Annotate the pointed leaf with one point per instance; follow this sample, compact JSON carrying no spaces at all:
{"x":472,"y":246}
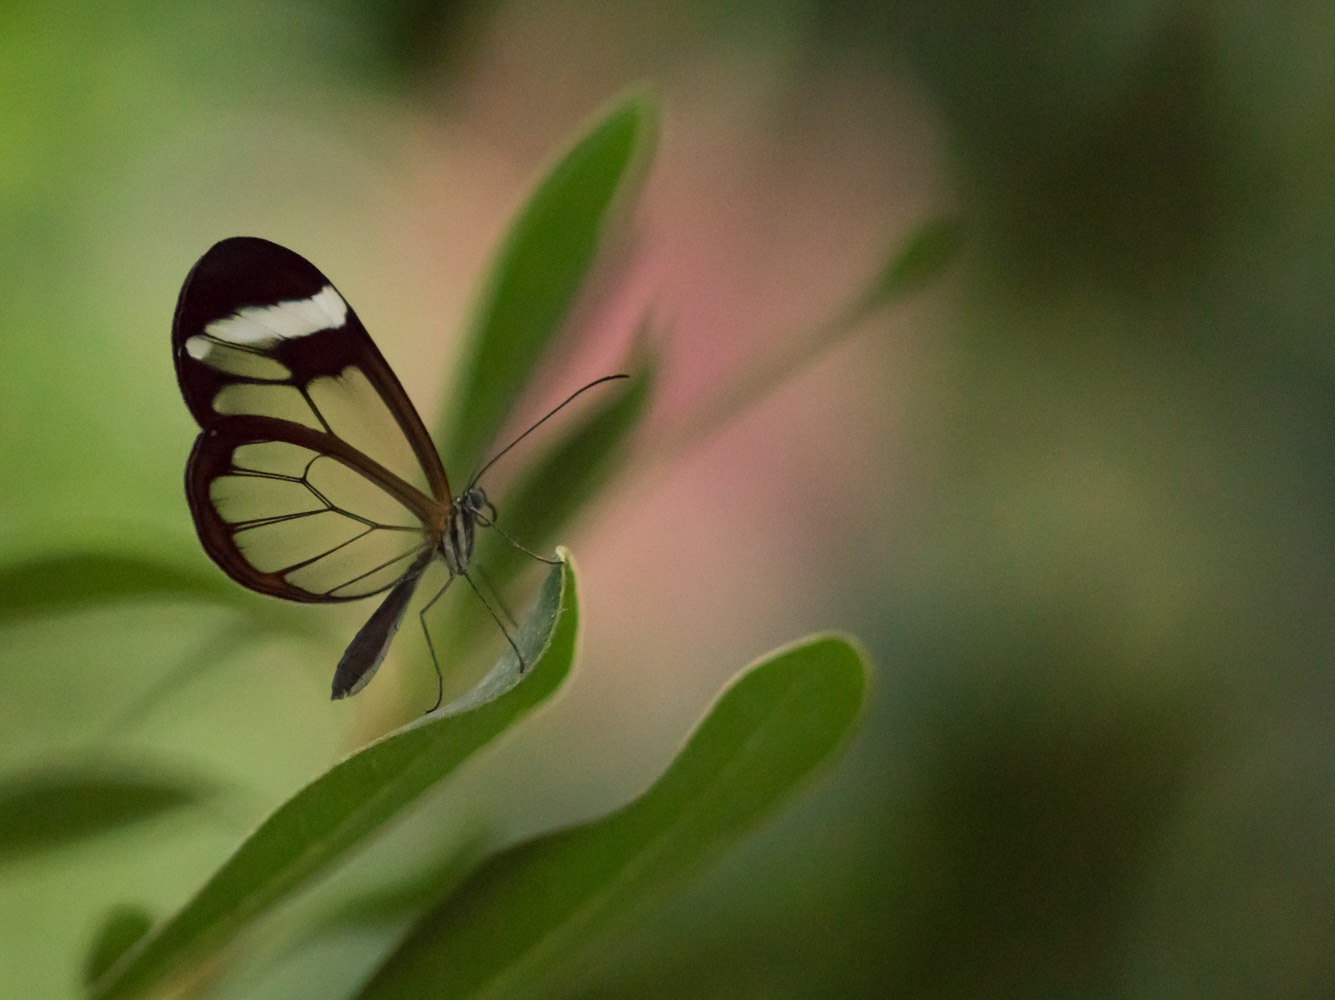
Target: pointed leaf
{"x":120,"y":929}
{"x":347,"y":804}
{"x":530,"y":909}
{"x":917,"y":261}
{"x":538,"y":273}
{"x":67,"y":581}
{"x":44,"y":811}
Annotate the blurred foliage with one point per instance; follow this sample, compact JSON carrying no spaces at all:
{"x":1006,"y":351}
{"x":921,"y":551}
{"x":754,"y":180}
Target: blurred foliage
{"x":753,"y":746}
{"x":346,"y":805}
{"x":539,"y":271}
{"x":1097,"y":760}
{"x":122,"y":927}
{"x":917,"y":263}
{"x":46,"y":811}
{"x":1124,"y":571}
{"x":524,"y":918}
{"x":59,"y":582}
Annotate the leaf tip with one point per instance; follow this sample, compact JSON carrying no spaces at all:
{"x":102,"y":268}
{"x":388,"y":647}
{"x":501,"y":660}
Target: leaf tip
{"x":121,"y":929}
{"x":642,"y":103}
{"x":919,"y":259}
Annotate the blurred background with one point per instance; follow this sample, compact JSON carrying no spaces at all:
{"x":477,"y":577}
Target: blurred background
{"x":1078,"y":500}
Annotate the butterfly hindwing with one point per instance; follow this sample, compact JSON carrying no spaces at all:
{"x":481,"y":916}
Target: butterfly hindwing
{"x":313,"y":477}
{"x":292,"y":512}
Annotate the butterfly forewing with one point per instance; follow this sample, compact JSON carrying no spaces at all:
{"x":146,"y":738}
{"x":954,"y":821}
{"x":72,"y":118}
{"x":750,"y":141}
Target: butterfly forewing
{"x":259,"y":330}
{"x":313,"y":477}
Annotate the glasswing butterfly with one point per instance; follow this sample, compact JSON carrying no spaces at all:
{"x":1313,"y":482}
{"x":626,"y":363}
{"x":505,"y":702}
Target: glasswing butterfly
{"x":313,"y":478}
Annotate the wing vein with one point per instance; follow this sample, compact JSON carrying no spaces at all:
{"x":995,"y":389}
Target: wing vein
{"x":376,"y":569}
{"x":328,"y":552}
{"x":260,"y":292}
{"x":260,"y":522}
{"x":316,"y":410}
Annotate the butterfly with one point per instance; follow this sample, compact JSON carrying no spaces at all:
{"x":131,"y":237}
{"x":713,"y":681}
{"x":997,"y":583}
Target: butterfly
{"x":313,"y":478}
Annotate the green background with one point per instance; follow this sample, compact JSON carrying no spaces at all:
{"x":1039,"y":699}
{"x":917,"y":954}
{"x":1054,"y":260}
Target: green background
{"x":1077,"y":503}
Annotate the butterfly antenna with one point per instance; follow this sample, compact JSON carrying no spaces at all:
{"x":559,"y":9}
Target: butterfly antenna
{"x":556,"y":409}
{"x":494,"y":617}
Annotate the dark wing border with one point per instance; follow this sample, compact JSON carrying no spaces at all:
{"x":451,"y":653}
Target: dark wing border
{"x":211,"y":458}
{"x":248,"y":271}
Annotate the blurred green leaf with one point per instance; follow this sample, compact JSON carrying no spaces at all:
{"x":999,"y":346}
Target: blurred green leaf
{"x":347,"y":804}
{"x":532,"y":907}
{"x":422,"y":886}
{"x":219,"y":649}
{"x":120,"y":929}
{"x":46,"y":811}
{"x":554,"y":488}
{"x":917,"y":261}
{"x":60,"y":582}
{"x":538,"y":272}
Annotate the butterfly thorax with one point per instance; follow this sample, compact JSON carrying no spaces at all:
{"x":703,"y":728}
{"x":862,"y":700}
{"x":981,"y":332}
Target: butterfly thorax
{"x":456,"y":542}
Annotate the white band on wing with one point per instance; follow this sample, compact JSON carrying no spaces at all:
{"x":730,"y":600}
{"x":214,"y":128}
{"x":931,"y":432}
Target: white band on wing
{"x":264,"y":326}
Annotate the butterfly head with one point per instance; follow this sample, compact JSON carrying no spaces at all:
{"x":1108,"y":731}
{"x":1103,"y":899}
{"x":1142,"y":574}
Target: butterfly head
{"x":474,"y":501}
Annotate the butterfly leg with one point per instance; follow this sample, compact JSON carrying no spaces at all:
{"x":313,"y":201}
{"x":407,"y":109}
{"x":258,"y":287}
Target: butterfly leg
{"x":485,"y":579}
{"x":494,"y":617}
{"x":421,"y":616}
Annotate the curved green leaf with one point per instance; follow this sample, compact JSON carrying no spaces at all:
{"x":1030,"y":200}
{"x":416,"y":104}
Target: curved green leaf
{"x":60,"y":582}
{"x":347,"y":804}
{"x":528,"y":910}
{"x":539,"y":271}
{"x":120,"y":929}
{"x":418,"y":888}
{"x":44,"y":811}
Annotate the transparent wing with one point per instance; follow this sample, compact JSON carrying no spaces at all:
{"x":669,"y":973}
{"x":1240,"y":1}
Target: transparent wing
{"x":260,"y":331}
{"x":313,"y":477}
{"x":297,"y":513}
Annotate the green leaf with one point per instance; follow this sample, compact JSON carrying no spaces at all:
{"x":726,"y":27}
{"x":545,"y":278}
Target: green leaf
{"x":917,"y":261}
{"x":538,"y":273}
{"x":45,"y":811}
{"x":530,"y":909}
{"x":347,"y":804}
{"x":218,"y":650}
{"x":422,"y":886}
{"x":553,"y":489}
{"x":120,"y":929}
{"x":61,"y":582}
